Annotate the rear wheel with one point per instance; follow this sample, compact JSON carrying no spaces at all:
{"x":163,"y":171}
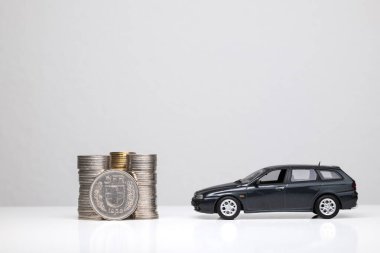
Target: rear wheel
{"x":228,"y":208}
{"x":327,"y":206}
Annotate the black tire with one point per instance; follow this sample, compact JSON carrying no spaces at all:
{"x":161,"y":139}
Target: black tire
{"x":233,"y":206}
{"x":327,"y":206}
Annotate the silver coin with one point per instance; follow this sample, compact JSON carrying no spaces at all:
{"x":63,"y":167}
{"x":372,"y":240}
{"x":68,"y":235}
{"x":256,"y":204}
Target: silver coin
{"x":92,"y":157}
{"x":114,"y":195}
{"x":89,"y":217}
{"x":143,"y":156}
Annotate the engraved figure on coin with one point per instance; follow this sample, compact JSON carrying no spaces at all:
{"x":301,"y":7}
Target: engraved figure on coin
{"x":114,"y":191}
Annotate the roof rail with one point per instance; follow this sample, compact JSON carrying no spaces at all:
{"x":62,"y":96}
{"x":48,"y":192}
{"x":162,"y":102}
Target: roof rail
{"x":319,"y":164}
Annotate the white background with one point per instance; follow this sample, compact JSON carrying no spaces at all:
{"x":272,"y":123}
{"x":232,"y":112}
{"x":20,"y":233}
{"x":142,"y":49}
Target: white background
{"x":216,"y":88}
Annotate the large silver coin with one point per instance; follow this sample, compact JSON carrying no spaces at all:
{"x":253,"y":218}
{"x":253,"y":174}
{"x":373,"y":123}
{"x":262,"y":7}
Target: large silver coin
{"x":114,"y":195}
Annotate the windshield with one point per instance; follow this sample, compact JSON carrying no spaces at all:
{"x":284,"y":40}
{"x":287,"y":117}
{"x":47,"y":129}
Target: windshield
{"x":252,"y":176}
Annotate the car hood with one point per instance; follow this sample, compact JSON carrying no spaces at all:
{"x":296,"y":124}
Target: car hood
{"x":219,"y":187}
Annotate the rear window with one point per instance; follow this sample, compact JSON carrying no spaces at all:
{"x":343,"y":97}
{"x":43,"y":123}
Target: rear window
{"x":329,"y":175}
{"x":299,"y":175}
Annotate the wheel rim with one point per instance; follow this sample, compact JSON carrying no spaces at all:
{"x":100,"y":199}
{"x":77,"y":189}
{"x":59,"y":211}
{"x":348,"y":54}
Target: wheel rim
{"x":228,"y":207}
{"x":327,"y":206}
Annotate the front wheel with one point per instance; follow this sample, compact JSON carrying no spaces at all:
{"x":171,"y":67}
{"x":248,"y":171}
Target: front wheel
{"x":327,"y":206}
{"x":228,"y":208}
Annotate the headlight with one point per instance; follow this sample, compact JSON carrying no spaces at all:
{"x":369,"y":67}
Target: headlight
{"x":199,"y":196}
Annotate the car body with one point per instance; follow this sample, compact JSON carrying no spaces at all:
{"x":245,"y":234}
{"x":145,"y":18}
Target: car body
{"x":283,"y":188}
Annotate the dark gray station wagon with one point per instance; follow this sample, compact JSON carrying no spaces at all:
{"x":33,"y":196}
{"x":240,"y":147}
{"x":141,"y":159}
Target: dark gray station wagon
{"x":289,"y":188}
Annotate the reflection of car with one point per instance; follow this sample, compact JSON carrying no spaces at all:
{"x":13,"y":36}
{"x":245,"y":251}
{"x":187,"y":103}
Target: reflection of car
{"x":290,"y":188}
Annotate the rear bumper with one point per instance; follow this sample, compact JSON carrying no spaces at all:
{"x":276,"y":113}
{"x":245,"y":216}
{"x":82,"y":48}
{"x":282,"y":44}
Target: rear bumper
{"x":348,"y":199}
{"x":206,"y":205}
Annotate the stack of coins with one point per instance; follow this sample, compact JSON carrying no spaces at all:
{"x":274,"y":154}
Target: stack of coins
{"x":143,"y":168}
{"x":119,"y":160}
{"x":89,"y":167}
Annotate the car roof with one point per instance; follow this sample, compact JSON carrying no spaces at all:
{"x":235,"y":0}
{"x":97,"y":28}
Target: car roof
{"x":302,"y":166}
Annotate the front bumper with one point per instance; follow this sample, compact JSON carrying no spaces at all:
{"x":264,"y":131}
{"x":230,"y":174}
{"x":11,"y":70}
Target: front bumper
{"x":206,"y":205}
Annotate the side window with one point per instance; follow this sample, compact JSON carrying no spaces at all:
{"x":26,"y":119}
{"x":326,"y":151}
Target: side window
{"x":299,"y":175}
{"x":329,"y":175}
{"x":273,"y":177}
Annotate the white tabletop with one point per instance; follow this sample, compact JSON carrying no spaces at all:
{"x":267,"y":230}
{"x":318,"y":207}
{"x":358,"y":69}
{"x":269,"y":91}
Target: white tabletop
{"x":180,"y":229}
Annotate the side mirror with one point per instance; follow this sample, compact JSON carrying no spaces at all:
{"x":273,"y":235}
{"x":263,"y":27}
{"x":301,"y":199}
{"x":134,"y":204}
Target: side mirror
{"x":255,"y":183}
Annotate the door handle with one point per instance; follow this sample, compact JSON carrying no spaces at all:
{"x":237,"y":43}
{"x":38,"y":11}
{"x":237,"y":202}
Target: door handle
{"x":280,"y":188}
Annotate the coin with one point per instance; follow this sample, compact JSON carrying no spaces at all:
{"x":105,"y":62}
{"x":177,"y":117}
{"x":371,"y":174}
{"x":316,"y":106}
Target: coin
{"x":119,"y":160}
{"x":114,"y":195}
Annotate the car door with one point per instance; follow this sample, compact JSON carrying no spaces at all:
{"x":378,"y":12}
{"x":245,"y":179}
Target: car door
{"x":267,"y":193}
{"x":303,"y":185}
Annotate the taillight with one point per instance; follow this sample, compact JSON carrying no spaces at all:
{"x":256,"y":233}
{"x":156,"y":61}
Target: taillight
{"x":354,"y":185}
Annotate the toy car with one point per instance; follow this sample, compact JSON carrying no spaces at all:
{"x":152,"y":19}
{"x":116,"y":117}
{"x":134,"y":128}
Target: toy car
{"x":284,"y":188}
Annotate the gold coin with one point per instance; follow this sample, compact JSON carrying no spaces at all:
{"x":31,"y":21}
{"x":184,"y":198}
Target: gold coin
{"x":119,"y":160}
